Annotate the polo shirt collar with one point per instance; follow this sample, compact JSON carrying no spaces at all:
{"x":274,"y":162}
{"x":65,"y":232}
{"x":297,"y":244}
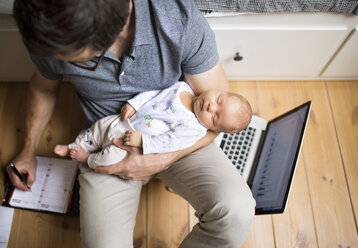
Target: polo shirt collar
{"x":143,"y":28}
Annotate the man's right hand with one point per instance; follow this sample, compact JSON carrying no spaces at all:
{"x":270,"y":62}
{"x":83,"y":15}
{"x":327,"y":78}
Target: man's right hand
{"x":26,"y":165}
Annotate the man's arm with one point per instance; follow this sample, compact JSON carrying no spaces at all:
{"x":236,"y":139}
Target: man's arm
{"x":137,"y":166}
{"x":42,"y":94}
{"x":215,"y":78}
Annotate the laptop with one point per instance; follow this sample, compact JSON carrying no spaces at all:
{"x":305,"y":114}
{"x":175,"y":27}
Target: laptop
{"x":266,"y":154}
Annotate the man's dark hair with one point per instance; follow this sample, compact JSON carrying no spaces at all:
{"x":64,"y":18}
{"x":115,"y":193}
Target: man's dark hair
{"x":50,"y":27}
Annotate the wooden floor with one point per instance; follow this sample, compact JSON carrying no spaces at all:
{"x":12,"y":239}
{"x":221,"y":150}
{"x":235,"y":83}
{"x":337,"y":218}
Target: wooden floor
{"x":323,"y":206}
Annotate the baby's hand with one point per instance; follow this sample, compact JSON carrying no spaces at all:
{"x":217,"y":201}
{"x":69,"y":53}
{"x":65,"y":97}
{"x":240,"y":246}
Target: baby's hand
{"x":127,"y":111}
{"x":133,"y":138}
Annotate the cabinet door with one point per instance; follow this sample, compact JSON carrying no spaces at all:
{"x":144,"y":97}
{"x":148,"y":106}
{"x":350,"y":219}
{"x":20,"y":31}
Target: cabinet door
{"x":345,"y":64}
{"x":277,"y":53}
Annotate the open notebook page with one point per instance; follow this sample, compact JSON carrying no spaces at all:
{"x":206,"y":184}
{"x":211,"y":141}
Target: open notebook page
{"x":53,"y":186}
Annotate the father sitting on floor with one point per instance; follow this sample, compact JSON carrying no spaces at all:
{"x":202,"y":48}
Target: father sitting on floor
{"x":111,"y":50}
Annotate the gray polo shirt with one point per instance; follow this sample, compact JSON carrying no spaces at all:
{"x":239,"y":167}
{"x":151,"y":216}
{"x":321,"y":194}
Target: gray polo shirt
{"x":171,"y":38}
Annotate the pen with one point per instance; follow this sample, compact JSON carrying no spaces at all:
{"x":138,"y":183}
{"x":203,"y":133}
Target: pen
{"x":20,"y":176}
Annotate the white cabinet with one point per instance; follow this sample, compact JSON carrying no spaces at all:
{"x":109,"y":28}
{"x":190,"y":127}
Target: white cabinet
{"x":276,"y":52}
{"x":345,"y":63}
{"x":290,"y":46}
{"x":275,"y":46}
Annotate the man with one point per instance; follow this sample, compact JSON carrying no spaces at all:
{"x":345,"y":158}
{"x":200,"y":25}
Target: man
{"x":111,"y":50}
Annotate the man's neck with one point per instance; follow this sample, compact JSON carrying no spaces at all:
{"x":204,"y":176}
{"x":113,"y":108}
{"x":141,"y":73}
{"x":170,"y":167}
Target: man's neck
{"x":125,"y":37}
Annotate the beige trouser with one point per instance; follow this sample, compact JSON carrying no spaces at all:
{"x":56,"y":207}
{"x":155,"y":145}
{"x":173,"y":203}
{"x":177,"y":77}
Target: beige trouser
{"x":205,"y":178}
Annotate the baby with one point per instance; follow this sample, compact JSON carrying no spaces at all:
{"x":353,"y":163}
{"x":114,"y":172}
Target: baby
{"x":159,"y":121}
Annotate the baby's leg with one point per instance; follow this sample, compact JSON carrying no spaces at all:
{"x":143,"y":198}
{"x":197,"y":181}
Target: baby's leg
{"x":86,"y":140}
{"x":62,"y":150}
{"x":109,"y":155}
{"x":79,"y":154}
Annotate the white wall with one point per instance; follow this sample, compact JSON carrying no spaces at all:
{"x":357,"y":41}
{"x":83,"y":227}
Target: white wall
{"x":6,"y":6}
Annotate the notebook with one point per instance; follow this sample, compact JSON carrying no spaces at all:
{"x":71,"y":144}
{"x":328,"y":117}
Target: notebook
{"x":266,"y":154}
{"x":52,"y":190}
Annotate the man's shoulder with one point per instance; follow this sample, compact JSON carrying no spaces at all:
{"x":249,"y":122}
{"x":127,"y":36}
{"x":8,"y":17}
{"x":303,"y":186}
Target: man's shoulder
{"x":177,"y":9}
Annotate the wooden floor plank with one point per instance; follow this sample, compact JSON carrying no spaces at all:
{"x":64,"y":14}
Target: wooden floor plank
{"x":344,"y":102}
{"x":319,"y":212}
{"x":8,"y":140}
{"x":12,"y":124}
{"x":47,"y":230}
{"x":65,"y":124}
{"x":15,"y":229}
{"x":295,"y":227}
{"x":140,"y":230}
{"x":3,"y":93}
{"x":332,"y":210}
{"x":261,"y":234}
{"x":12,"y":113}
{"x":249,"y":91}
{"x":167,"y":217}
{"x":38,"y":229}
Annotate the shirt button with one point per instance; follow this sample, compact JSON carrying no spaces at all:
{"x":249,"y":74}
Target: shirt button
{"x":122,"y":73}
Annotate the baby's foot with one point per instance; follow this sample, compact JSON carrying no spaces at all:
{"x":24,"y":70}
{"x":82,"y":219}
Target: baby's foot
{"x":79,"y":155}
{"x":61,"y":150}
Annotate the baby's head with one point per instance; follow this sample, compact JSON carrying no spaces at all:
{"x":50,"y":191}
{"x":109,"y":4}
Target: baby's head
{"x":222,"y":111}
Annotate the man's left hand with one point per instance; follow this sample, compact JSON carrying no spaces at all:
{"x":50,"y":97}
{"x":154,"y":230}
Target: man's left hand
{"x":135,"y":165}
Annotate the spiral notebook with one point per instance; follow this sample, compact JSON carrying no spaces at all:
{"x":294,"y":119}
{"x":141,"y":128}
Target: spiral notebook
{"x":53,"y":189}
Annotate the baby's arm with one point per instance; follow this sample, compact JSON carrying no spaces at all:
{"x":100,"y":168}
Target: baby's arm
{"x":127,"y":111}
{"x":141,"y":98}
{"x":131,"y":107}
{"x":133,"y":138}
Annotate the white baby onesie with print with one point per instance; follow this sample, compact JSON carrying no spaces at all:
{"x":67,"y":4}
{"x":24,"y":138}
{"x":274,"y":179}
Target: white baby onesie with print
{"x":165,"y":123}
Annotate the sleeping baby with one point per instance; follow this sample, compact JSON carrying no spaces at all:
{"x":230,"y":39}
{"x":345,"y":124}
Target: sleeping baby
{"x":159,"y":121}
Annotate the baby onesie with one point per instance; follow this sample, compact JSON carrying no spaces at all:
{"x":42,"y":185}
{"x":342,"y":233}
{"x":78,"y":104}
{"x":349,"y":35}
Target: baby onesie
{"x":165,"y":123}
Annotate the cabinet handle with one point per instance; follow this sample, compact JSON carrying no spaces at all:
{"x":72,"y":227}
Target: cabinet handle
{"x":238,"y":57}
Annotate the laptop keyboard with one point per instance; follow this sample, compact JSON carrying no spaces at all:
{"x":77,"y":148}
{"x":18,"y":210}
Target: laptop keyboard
{"x":237,"y":146}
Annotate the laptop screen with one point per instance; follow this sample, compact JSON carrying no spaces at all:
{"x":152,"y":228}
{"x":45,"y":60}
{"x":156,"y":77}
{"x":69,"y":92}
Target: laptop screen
{"x":277,"y":160}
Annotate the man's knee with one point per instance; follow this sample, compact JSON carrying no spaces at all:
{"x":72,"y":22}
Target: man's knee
{"x":232,"y":216}
{"x":239,"y":220}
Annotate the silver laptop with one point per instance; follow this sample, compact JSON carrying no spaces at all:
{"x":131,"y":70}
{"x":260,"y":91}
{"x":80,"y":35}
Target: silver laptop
{"x":266,"y":154}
